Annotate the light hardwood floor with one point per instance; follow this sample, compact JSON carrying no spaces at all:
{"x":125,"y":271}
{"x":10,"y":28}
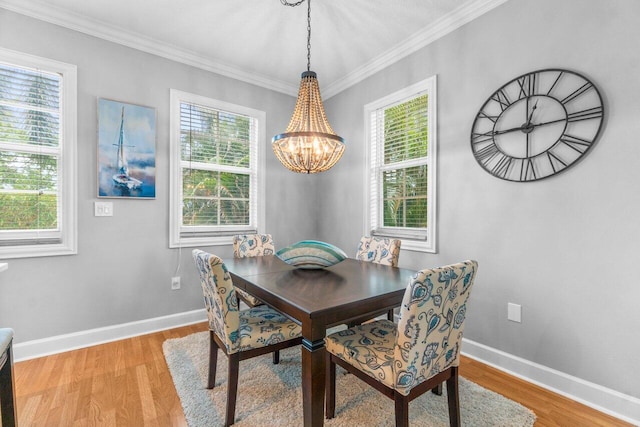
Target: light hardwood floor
{"x":127,"y":383}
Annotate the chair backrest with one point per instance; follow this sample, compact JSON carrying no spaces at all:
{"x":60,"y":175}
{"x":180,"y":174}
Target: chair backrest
{"x":380,"y":250}
{"x":431,"y":323}
{"x":220,"y":298}
{"x":247,"y":245}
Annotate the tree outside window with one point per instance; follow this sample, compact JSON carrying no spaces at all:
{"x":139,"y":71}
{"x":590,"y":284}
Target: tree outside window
{"x":37,"y":153}
{"x":401,"y":174}
{"x":215,"y":182}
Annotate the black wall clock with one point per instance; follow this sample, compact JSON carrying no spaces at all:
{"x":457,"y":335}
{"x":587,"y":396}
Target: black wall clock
{"x":537,"y":125}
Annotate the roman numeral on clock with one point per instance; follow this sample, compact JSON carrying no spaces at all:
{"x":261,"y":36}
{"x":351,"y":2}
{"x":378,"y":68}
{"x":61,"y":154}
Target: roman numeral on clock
{"x":588,"y":114}
{"x":502,"y":99}
{"x":484,"y":115}
{"x":527,"y":171}
{"x":578,"y":144}
{"x":487,"y":153}
{"x":576,"y":93}
{"x":501,"y":168}
{"x":527,"y":84}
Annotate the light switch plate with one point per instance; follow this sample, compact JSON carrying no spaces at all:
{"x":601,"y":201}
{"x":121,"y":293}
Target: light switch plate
{"x":514,"y":312}
{"x":103,"y":209}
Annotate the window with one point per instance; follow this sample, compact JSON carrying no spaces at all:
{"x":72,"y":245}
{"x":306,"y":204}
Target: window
{"x":401,"y":173}
{"x":37,"y":156}
{"x":216,"y":170}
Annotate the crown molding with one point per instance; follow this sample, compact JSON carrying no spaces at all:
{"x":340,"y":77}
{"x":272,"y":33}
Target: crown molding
{"x":92,"y":27}
{"x":77,"y":22}
{"x":440,"y":28}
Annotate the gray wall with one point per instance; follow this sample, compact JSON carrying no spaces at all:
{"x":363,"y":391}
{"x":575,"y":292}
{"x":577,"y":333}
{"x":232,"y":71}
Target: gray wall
{"x":123,"y":267}
{"x":565,"y":247}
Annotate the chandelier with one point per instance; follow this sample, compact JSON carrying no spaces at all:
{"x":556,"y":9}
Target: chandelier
{"x":309,"y":144}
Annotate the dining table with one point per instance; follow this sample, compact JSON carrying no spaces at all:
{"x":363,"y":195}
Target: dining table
{"x":348,"y":292}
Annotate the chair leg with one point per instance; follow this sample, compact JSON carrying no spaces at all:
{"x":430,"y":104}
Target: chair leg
{"x":232,"y":387}
{"x":330,"y":388}
{"x":390,"y":315}
{"x":402,"y":410}
{"x":437,"y":390}
{"x":453,"y":399}
{"x":276,"y":357}
{"x":213,"y":360}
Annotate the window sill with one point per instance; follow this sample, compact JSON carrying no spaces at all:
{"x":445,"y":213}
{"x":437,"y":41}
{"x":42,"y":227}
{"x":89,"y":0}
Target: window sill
{"x":33,"y":251}
{"x":193,"y":242}
{"x":417,"y":246}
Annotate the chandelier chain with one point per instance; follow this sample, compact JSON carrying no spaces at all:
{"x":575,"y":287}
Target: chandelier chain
{"x":308,"y":35}
{"x":298,"y":3}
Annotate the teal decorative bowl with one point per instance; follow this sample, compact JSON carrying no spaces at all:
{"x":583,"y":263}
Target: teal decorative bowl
{"x":311,"y":254}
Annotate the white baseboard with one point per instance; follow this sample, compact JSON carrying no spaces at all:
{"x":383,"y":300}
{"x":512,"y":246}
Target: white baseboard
{"x":601,"y":398}
{"x":60,"y":343}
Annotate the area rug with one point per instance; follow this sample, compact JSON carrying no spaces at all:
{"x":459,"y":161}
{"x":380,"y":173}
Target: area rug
{"x":270,"y":395}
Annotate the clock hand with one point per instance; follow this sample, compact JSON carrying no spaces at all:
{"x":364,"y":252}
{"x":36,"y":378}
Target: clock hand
{"x":500,"y":132}
{"x":531,"y":115}
{"x":549,"y":122}
{"x":525,"y":127}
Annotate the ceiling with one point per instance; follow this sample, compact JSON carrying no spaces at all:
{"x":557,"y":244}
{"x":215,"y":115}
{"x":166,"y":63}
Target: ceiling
{"x":264,"y":41}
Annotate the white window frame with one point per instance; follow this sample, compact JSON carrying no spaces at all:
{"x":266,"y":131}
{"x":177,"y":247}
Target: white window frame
{"x":411,"y":240}
{"x":218,"y":235}
{"x":66,"y":236}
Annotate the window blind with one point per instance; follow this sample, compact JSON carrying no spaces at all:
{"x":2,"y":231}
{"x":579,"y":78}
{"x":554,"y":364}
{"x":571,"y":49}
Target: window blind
{"x":405,"y":130}
{"x":399,"y":169}
{"x":30,"y":155}
{"x":218,"y":163}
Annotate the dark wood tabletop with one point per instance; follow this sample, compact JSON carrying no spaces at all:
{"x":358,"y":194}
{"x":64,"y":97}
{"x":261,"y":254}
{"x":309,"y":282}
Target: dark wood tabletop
{"x":317,"y":299}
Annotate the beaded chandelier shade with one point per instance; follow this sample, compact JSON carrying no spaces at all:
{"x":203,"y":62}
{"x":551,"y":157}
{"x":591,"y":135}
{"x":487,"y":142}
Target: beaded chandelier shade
{"x":309,"y":144}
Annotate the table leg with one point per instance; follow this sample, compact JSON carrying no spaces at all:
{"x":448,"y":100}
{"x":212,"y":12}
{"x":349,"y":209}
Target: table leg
{"x":313,"y":378}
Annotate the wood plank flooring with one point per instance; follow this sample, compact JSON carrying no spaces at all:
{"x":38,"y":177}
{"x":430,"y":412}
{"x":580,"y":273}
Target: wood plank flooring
{"x":127,"y":383}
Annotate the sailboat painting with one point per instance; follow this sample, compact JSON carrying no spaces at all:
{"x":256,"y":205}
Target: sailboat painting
{"x":126,"y":150}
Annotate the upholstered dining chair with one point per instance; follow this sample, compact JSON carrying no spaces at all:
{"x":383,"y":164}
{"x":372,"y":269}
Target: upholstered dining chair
{"x":380,"y":250}
{"x":247,"y":245}
{"x":405,"y":360}
{"x":239,"y":334}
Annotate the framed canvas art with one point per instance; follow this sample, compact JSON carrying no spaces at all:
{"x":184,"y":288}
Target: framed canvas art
{"x":126,"y":150}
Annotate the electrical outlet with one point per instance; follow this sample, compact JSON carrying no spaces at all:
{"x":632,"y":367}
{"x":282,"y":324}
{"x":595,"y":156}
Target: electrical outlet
{"x":514,"y":312}
{"x":175,"y":283}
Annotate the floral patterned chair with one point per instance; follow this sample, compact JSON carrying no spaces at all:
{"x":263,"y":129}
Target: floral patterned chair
{"x":246,"y":245}
{"x":380,"y":250}
{"x":418,"y":354}
{"x":239,"y":334}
